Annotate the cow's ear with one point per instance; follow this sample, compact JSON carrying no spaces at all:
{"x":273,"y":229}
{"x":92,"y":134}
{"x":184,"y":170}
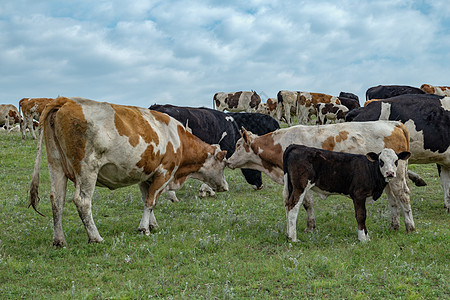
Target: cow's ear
{"x":221,"y":155}
{"x":372,"y":156}
{"x":245,"y":135}
{"x":404,"y":155}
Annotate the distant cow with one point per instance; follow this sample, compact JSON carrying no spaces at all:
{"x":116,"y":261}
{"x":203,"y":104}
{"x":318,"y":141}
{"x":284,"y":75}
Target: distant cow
{"x":330,"y":113}
{"x":437,"y":90}
{"x":236,"y":102}
{"x":427,"y":118}
{"x":356,"y":176}
{"x":265,"y":153}
{"x":300,"y":104}
{"x":9,"y":115}
{"x":307,"y":102}
{"x":216,"y":127}
{"x":31,"y":109}
{"x":388,"y":91}
{"x":98,"y":143}
{"x":350,"y":100}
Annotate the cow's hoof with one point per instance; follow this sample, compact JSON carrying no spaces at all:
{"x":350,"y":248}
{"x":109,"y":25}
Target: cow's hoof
{"x":410,"y":228}
{"x":59,"y":243}
{"x":96,"y":241}
{"x":394,"y":227}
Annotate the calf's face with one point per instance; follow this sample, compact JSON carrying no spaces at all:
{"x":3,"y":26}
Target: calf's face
{"x":388,"y":161}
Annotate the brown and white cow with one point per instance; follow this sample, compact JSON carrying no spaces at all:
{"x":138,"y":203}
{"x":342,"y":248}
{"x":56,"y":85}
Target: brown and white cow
{"x":236,"y":102}
{"x":265,"y":153}
{"x":9,"y":115}
{"x":437,"y":90}
{"x":98,"y":143}
{"x":359,"y":177}
{"x":330,"y":113}
{"x":31,"y":109}
{"x":301,"y":104}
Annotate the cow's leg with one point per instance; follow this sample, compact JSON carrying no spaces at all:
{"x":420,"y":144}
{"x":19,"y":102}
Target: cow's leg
{"x":57,"y":197}
{"x":82,"y":197}
{"x":22,"y":127}
{"x":30,"y":125}
{"x":292,"y":202}
{"x":398,"y":194}
{"x":150,"y":193}
{"x":445,"y":183}
{"x":308,"y":204}
{"x":360,"y":214}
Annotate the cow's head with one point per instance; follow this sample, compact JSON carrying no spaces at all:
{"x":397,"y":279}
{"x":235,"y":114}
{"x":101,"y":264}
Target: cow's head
{"x":212,"y":170}
{"x":388,"y":161}
{"x":243,"y":155}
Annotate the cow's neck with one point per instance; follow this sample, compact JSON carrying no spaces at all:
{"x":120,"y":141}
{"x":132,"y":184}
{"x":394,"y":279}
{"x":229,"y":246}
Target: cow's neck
{"x":194,"y":154}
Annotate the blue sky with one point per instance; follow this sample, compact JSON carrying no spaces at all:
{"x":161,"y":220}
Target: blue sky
{"x":182,"y":52}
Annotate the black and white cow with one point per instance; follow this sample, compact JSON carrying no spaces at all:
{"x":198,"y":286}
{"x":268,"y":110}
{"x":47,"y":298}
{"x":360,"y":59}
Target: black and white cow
{"x":357,"y":176}
{"x":388,"y":91}
{"x":236,"y":102}
{"x":216,"y":127}
{"x":427,"y":118}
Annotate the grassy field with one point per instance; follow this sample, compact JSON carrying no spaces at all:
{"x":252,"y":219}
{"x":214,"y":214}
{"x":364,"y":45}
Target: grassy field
{"x":229,"y":246}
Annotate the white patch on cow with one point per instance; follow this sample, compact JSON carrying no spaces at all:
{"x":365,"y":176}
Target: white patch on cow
{"x":187,"y":126}
{"x":229,"y":118}
{"x":224,"y":134}
{"x":362,"y":236}
{"x":385,"y":111}
{"x":445,"y":102}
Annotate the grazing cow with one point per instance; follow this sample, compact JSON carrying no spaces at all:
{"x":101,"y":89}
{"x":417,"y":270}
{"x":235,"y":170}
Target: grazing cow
{"x":427,"y":118}
{"x":330,"y":112}
{"x":9,"y":115}
{"x":351,"y":101}
{"x":98,"y":143}
{"x":31,"y":109}
{"x":357,"y":176}
{"x":436,"y":90}
{"x":216,"y":127}
{"x":388,"y":91}
{"x":265,"y":153}
{"x":236,"y":102}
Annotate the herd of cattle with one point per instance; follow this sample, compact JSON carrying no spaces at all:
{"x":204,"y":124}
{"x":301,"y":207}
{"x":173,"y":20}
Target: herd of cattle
{"x":97,"y":143}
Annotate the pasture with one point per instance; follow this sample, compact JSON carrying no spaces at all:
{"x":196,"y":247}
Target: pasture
{"x":229,"y":246}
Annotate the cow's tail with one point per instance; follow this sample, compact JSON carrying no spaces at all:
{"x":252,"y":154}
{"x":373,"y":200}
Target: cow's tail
{"x":20,"y":117}
{"x":33,"y":198}
{"x":34,"y":186}
{"x":214,"y":101}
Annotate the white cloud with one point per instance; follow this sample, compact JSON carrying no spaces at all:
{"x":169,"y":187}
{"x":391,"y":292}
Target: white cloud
{"x":182,"y":52}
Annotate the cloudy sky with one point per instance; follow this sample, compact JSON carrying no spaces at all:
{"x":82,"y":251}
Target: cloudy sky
{"x":182,"y":52}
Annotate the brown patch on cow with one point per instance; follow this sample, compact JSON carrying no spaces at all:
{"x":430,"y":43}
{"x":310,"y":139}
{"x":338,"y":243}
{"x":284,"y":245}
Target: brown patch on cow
{"x":255,"y":100}
{"x":342,"y":136}
{"x":194,"y":153}
{"x":398,"y":140}
{"x":271,"y":104}
{"x":69,"y":132}
{"x":232,"y":100}
{"x":130,"y":122}
{"x":164,"y":118}
{"x":150,"y":160}
{"x":427,"y":88}
{"x":272,"y":155}
{"x":329,"y":143}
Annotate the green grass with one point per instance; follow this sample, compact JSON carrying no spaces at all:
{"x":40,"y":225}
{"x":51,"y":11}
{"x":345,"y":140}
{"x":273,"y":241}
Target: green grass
{"x":229,"y":246}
